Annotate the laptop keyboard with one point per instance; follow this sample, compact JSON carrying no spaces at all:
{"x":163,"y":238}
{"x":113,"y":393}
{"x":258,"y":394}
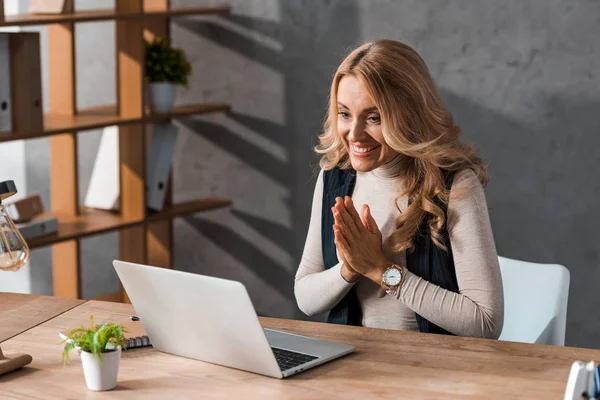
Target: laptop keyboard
{"x":289,"y":359}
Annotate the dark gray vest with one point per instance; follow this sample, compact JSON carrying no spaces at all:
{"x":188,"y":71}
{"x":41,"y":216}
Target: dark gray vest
{"x":425,"y":259}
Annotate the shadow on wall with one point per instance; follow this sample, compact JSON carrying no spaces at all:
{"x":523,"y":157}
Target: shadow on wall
{"x":542,"y":200}
{"x":270,"y":272}
{"x":251,"y":155}
{"x":311,"y":51}
{"x":543,"y":193}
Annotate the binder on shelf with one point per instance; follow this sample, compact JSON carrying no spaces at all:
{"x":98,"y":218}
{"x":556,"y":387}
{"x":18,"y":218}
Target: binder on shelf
{"x":5,"y":109}
{"x":25,"y":73}
{"x":103,"y":191}
{"x":158,"y":167}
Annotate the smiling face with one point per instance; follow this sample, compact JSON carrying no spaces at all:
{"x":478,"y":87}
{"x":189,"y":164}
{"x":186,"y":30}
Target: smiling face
{"x":359,"y":126}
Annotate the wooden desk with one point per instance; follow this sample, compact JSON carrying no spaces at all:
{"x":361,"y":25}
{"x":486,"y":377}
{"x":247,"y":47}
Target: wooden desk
{"x":20,"y":312}
{"x":387,"y":364}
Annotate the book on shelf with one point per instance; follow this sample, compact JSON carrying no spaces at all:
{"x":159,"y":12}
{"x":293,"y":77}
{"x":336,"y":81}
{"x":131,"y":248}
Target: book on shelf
{"x":25,"y":209}
{"x":103,"y":190}
{"x":38,"y":226}
{"x":134,"y":337}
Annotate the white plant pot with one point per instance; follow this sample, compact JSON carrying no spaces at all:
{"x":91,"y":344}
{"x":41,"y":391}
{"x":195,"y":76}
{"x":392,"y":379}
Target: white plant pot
{"x":101,"y":376}
{"x":161,"y":96}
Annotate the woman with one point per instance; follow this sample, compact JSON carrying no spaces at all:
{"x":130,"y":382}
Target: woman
{"x":399,"y":236}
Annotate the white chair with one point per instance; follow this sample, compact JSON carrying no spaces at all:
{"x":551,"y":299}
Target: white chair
{"x":535,"y":302}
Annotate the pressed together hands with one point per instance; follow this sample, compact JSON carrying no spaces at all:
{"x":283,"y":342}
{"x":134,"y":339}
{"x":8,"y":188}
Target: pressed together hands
{"x":358,"y":241}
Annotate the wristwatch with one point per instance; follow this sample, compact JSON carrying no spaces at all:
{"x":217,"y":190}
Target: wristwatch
{"x":391,"y":278}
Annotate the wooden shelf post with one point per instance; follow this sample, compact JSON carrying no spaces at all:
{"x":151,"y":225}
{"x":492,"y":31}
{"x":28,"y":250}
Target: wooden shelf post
{"x":159,"y":235}
{"x":132,"y":156}
{"x":1,"y":10}
{"x":64,"y":187}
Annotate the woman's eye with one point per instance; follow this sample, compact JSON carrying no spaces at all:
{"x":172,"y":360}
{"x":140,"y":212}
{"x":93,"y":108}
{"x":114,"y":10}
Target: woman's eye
{"x":344,"y":114}
{"x":375,"y":118}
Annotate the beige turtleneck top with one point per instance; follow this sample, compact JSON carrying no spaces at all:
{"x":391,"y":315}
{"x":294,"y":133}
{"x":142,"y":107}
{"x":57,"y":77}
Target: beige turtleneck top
{"x":477,"y":310}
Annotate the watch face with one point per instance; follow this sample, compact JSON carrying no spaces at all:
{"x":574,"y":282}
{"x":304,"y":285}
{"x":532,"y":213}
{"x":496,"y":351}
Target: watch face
{"x":392,"y":276}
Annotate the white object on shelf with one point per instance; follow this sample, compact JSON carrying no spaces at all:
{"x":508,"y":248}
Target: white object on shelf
{"x":5,"y":109}
{"x":50,"y":6}
{"x":103,"y":191}
{"x":164,"y":138}
{"x":161,"y":96}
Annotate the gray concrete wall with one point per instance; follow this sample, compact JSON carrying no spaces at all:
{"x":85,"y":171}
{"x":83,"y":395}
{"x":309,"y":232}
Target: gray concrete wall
{"x":520,"y":77}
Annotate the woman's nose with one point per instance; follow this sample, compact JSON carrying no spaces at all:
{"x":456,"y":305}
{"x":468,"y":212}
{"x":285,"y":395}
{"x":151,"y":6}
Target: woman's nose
{"x":356,"y":132}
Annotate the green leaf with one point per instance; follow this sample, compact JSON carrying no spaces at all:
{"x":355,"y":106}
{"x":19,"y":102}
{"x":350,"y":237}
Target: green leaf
{"x":165,"y":63}
{"x":94,"y":339}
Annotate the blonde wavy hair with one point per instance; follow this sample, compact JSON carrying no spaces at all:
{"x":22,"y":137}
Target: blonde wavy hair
{"x":415,"y":123}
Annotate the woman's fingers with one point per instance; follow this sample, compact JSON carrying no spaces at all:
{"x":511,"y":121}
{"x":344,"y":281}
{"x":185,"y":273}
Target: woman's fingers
{"x":340,"y":223}
{"x":340,"y":243}
{"x":345,"y":220}
{"x":363,"y":218}
{"x":349,"y":204}
{"x":345,"y":216}
{"x":373,"y":228}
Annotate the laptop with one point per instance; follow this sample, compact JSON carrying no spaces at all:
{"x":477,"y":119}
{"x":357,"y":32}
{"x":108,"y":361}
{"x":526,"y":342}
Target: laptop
{"x":213,"y":320}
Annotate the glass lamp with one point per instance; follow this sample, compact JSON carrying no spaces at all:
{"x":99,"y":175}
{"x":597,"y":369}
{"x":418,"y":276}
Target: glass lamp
{"x":14,"y":253}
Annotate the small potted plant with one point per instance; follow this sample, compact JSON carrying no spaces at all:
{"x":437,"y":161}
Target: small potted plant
{"x":100,"y":349}
{"x":166,"y":67}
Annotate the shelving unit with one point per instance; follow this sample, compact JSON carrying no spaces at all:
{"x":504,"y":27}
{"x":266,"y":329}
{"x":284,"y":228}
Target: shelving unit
{"x":144,"y":237}
{"x":99,"y":117}
{"x":105,"y":15}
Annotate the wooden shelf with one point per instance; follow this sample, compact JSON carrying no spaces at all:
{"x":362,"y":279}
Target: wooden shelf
{"x":188,"y":11}
{"x":80,"y":16}
{"x":99,"y":117}
{"x":88,"y":222}
{"x":115,"y":297}
{"x":92,"y":222}
{"x":188,"y":207}
{"x":103,"y":15}
{"x":89,"y":118}
{"x":188,"y":110}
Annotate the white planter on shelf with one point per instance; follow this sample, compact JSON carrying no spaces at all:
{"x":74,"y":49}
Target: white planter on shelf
{"x":161,"y":96}
{"x":101,"y":375}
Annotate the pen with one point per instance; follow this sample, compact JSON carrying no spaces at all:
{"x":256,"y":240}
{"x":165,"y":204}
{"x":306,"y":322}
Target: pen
{"x":590,"y":390}
{"x":597,"y":381}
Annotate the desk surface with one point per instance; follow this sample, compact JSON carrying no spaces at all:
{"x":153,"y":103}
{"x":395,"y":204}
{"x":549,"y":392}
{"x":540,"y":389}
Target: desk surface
{"x":20,"y":312}
{"x":387,"y":364}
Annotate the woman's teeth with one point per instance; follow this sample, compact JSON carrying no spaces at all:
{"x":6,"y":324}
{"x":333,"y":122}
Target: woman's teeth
{"x":363,"y":149}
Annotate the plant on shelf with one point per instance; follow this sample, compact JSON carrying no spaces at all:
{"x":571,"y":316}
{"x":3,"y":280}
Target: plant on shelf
{"x":166,"y":67}
{"x":100,"y":349}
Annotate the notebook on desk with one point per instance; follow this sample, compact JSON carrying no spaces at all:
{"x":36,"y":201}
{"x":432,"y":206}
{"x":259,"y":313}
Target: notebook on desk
{"x":134,"y":337}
